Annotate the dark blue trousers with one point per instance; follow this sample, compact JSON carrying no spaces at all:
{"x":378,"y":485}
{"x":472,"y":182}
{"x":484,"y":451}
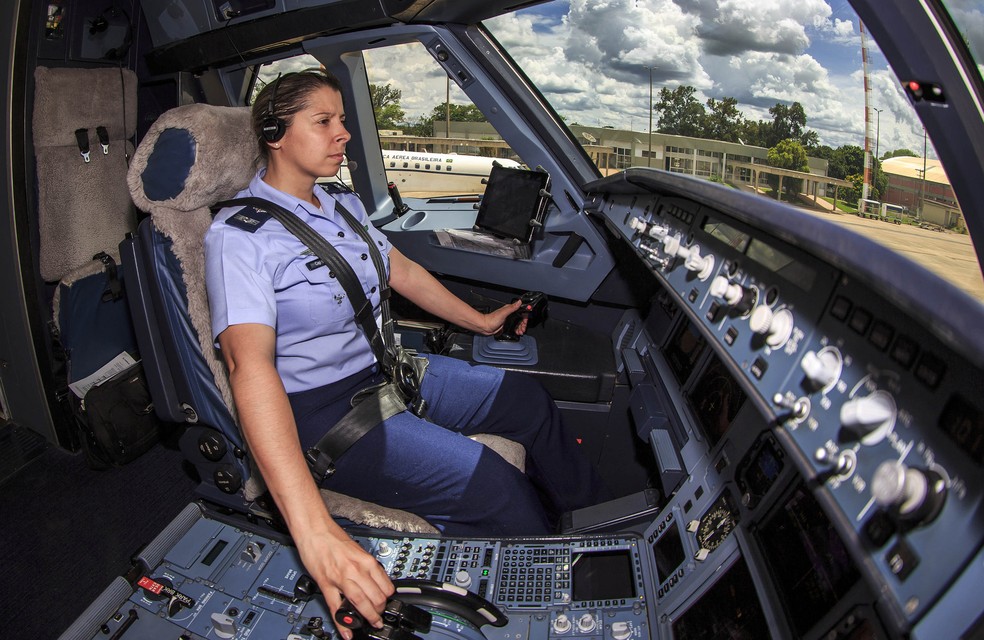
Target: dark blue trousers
{"x":431,"y":468}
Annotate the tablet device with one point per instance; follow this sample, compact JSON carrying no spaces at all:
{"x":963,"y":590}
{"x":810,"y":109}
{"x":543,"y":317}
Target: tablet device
{"x":514,"y":203}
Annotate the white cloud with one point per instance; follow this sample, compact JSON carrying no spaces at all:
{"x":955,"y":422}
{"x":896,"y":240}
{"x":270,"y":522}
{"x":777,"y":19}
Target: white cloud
{"x":593,"y":63}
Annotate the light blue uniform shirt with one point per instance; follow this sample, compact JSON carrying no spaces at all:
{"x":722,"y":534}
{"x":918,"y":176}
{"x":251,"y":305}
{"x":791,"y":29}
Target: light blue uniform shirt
{"x":269,"y":277}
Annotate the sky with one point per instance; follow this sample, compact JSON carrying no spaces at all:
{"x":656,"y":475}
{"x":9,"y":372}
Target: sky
{"x":591,"y":59}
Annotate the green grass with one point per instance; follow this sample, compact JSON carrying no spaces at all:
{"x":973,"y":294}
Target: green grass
{"x":841,"y":205}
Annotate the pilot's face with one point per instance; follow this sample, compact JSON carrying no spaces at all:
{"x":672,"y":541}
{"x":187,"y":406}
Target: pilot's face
{"x":315,"y":140}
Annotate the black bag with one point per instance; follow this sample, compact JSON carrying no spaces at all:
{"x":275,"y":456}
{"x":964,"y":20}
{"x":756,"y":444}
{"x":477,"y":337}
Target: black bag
{"x":118,"y":419}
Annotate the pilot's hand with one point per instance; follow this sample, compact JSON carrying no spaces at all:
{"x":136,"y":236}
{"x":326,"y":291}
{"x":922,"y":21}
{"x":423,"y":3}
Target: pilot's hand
{"x":340,"y":566}
{"x":495,"y":320}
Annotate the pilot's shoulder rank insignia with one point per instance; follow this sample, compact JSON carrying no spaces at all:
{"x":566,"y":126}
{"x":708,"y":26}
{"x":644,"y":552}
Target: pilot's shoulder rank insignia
{"x":248,"y":219}
{"x":335,"y":187}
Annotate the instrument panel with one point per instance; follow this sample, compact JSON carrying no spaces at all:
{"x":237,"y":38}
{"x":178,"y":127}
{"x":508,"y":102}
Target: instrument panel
{"x":783,"y":370}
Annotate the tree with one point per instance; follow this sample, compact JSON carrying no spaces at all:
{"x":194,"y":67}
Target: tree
{"x":788,"y":154}
{"x":789,"y":122}
{"x":899,"y":153}
{"x":846,"y":160}
{"x":459,"y":113}
{"x":857,"y":185}
{"x":386,"y":106}
{"x":680,"y":112}
{"x":723,"y":120}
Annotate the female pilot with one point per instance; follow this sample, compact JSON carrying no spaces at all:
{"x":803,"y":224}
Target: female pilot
{"x":296,"y":356}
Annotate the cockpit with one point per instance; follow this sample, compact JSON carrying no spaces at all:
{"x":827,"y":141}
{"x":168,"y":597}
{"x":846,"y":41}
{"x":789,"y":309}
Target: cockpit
{"x":761,"y":299}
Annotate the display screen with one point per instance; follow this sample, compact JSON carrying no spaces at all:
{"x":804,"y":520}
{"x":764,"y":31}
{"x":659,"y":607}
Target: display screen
{"x":729,"y":609}
{"x":668,"y":551}
{"x":602,"y":575}
{"x":779,"y":263}
{"x":759,"y":470}
{"x":763,"y":253}
{"x":807,"y":559}
{"x":737,"y":240}
{"x":716,"y":399}
{"x":964,"y":423}
{"x":512,"y":199}
{"x":683,"y":351}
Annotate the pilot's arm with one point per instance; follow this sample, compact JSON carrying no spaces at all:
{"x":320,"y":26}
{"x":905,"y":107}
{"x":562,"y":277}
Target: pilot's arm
{"x":416,"y":284}
{"x":335,"y":561}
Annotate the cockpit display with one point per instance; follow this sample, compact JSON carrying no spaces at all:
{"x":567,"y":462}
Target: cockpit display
{"x":762,"y":253}
{"x":684,"y":350}
{"x":729,"y":609}
{"x":716,"y":399}
{"x":602,"y":575}
{"x":668,"y":552}
{"x":809,"y":562}
{"x":964,"y":423}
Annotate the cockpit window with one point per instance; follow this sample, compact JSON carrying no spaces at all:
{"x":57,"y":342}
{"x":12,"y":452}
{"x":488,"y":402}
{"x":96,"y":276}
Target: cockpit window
{"x":731,"y":91}
{"x":968,"y":15}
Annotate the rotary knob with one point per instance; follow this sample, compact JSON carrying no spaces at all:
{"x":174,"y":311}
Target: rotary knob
{"x":652,"y":230}
{"x":696,"y":263}
{"x":621,"y":630}
{"x":462,"y":579}
{"x":728,"y":291}
{"x":822,"y":368}
{"x":869,"y":418}
{"x":384,"y":549}
{"x":673,"y":248}
{"x":586,"y":623}
{"x":561,"y":624}
{"x":775,"y":326}
{"x":223,"y":625}
{"x":914,"y":495}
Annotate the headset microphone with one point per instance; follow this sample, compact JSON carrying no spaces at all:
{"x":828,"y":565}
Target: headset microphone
{"x":351,"y":164}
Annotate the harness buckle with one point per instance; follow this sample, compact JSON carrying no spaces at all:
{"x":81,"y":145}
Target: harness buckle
{"x":320,"y":464}
{"x":82,"y":139}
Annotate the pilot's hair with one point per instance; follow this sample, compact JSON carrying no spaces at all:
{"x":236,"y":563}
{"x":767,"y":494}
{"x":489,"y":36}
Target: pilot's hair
{"x":285,"y":96}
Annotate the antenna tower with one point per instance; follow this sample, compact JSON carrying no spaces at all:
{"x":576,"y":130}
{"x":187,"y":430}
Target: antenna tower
{"x":867,"y":116}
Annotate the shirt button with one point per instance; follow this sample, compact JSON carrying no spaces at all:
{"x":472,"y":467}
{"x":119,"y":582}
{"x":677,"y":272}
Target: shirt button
{"x":341,"y":234}
{"x":331,"y":274}
{"x":373,"y":290}
{"x":364,"y":256}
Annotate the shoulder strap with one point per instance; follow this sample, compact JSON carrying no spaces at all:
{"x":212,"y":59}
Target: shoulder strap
{"x":334,"y":260}
{"x":377,"y":261}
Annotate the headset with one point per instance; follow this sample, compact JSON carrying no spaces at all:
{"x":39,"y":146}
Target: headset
{"x":101,"y":23}
{"x":272,"y":127}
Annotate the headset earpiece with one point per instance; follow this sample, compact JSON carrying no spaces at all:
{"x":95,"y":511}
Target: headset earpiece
{"x":272,"y":127}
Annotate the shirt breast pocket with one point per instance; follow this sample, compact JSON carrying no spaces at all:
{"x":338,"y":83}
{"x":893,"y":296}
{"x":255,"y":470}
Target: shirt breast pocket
{"x":326,"y":300}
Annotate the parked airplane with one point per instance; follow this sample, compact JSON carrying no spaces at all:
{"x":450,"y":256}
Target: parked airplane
{"x":420,"y":174}
{"x":428,"y":174}
{"x":789,"y":414}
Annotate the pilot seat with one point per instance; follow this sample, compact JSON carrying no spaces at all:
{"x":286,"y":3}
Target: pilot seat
{"x":192,"y":157}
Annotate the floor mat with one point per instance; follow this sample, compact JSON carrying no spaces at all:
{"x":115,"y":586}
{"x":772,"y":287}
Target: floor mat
{"x":18,"y":446}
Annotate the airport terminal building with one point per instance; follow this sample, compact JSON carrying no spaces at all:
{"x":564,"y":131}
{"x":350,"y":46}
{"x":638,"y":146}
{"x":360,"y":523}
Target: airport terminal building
{"x":913,"y":180}
{"x":616,"y":149}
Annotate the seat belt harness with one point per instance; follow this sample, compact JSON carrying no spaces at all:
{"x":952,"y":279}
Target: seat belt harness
{"x":404,"y":371}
